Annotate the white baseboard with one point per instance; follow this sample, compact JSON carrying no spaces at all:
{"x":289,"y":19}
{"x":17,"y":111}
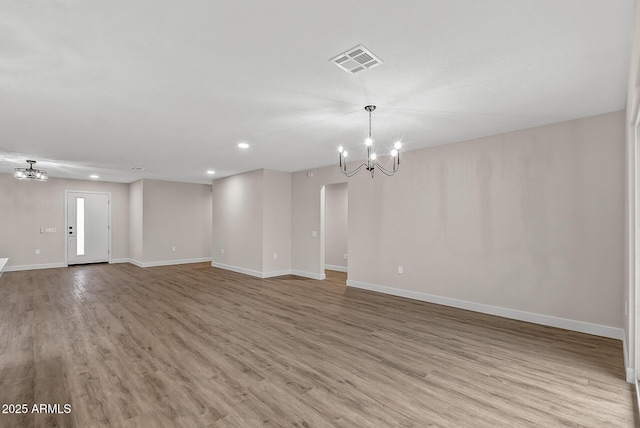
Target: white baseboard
{"x":635,"y":382}
{"x":311,"y":275}
{"x":276,"y":273}
{"x":3,"y":264}
{"x":336,"y":268}
{"x":120,"y":260}
{"x":631,"y":377}
{"x":238,"y":269}
{"x":567,"y":324}
{"x":270,"y":274}
{"x":34,"y":267}
{"x":629,"y":372}
{"x":169,"y":262}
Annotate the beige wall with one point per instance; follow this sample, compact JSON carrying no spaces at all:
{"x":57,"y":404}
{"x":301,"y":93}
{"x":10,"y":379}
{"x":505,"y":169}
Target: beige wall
{"x":176,"y":215}
{"x":25,"y":207}
{"x":237,"y":221}
{"x":530,"y":221}
{"x":136,"y":209}
{"x":336,"y":229}
{"x":252,"y":221}
{"x":276,"y":221}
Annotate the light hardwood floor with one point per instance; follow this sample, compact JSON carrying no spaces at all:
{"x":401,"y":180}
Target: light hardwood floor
{"x":196,"y":346}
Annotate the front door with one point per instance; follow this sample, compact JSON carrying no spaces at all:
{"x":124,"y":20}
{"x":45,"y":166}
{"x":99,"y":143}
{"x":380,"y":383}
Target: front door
{"x":88,"y":227}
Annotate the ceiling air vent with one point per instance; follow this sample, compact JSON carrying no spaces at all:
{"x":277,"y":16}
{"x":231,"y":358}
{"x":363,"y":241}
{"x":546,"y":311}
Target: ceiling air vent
{"x":356,"y":59}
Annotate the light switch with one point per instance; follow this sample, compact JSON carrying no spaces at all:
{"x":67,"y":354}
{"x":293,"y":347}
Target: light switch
{"x":314,"y":234}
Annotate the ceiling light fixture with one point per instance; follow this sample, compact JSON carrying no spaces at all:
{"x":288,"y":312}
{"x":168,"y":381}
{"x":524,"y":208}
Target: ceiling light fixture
{"x":371,"y":164}
{"x":243,"y":145}
{"x":211,"y":172}
{"x":30,"y":174}
{"x":94,"y":176}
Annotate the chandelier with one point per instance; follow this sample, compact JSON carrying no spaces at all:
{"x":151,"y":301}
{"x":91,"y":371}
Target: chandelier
{"x":371,"y":164}
{"x":30,"y":174}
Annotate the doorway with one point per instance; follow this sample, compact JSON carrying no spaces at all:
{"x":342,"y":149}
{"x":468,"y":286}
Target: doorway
{"x":88,"y":227}
{"x":334,"y":218}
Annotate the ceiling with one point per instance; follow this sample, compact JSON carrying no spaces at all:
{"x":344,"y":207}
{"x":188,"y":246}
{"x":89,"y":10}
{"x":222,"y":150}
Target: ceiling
{"x":99,"y":87}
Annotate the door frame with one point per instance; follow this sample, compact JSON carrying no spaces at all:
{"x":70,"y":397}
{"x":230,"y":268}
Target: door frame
{"x":632,"y":305}
{"x":66,"y":221}
{"x":323,"y":206}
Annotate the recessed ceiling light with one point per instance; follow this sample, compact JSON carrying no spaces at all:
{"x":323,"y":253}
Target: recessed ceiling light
{"x":211,"y":172}
{"x":94,"y":176}
{"x":243,"y":145}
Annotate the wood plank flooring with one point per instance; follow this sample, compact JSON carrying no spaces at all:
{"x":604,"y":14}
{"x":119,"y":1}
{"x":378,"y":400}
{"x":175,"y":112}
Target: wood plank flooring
{"x":195,"y":346}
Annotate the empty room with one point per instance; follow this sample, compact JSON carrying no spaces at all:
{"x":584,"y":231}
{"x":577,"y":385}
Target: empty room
{"x":338,"y":213}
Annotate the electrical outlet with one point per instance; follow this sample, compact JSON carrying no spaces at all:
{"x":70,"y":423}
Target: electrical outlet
{"x":42,"y":230}
{"x":37,"y":250}
{"x":173,"y":249}
{"x":275,"y":256}
{"x":345,"y":256}
{"x":221,"y":250}
{"x":400,"y":269}
{"x":314,"y":234}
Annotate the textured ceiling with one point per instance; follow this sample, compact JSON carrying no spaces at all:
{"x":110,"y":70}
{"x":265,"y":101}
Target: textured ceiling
{"x":100,"y":87}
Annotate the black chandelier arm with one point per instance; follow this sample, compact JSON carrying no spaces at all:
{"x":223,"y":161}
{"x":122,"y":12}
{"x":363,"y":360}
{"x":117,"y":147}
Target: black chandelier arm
{"x":352,"y":173}
{"x":388,"y":172}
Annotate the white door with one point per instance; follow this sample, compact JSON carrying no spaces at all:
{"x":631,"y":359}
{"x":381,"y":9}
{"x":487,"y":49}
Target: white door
{"x":88,"y":224}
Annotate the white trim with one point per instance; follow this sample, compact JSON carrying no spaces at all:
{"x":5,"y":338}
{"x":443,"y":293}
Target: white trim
{"x":3,"y":264}
{"x":635,"y":382}
{"x":312,"y":275}
{"x":169,"y":262}
{"x":274,"y":273}
{"x":270,"y":274}
{"x":633,"y":250}
{"x":34,"y":267}
{"x":237,"y":269}
{"x":123,"y":260}
{"x":323,"y":207}
{"x":567,"y":324}
{"x":631,"y":377}
{"x":629,"y":372}
{"x":336,"y":268}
